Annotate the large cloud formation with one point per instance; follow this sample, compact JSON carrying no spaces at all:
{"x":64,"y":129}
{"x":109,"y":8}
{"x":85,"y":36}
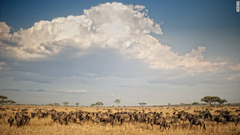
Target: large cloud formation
{"x":127,"y":28}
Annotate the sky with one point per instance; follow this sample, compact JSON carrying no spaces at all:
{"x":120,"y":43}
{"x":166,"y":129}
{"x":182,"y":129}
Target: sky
{"x":157,"y":52}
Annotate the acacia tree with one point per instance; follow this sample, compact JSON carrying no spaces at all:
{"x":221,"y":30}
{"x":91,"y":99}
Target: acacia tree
{"x":142,"y":103}
{"x":3,"y":97}
{"x":65,"y":103}
{"x":195,"y":103}
{"x":56,"y":104}
{"x":221,"y":101}
{"x":11,"y":102}
{"x":212,"y":100}
{"x":92,"y":105}
{"x":2,"y":101}
{"x":99,"y":104}
{"x":215,"y":99}
{"x":77,"y":104}
{"x":207,"y":99}
{"x":5,"y":101}
{"x":117,"y":101}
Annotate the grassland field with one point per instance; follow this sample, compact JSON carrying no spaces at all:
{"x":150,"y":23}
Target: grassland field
{"x":46,"y":126}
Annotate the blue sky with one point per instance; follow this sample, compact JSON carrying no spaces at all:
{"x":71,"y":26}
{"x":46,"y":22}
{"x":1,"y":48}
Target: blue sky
{"x":156,"y":52}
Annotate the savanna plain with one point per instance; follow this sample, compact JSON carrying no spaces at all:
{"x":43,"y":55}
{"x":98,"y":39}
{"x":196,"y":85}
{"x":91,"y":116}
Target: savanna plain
{"x":67,"y":120}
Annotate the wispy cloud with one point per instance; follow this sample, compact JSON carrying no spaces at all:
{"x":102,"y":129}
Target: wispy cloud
{"x":38,"y":90}
{"x":73,"y":91}
{"x":51,"y":91}
{"x":124,"y":86}
{"x":14,"y":90}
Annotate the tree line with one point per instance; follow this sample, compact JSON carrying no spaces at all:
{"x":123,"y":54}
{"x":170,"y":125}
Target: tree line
{"x":211,"y":100}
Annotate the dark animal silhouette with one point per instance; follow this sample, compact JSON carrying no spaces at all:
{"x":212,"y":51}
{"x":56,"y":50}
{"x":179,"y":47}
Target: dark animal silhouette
{"x":10,"y":120}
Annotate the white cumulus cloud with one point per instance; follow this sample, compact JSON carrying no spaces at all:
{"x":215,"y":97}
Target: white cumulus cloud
{"x":126,"y":28}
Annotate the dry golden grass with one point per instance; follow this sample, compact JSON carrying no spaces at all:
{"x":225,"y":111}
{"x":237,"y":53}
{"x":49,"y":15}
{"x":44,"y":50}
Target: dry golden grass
{"x":45,"y":126}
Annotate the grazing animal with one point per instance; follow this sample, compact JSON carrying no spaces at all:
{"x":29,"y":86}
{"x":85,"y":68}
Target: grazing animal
{"x":197,"y":121}
{"x":10,"y":120}
{"x":107,"y":119}
{"x":235,"y":119}
{"x":19,"y":121}
{"x":25,"y":120}
{"x":33,"y":115}
{"x":54,"y":117}
{"x":165,"y":125}
{"x":64,"y":119}
{"x":220,"y":118}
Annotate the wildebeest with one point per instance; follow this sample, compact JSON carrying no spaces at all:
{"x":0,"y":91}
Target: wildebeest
{"x":195,"y":120}
{"x":64,"y":119}
{"x":219,"y":118}
{"x":10,"y":120}
{"x":123,"y":117}
{"x":235,"y":119}
{"x":21,"y":119}
{"x":54,"y":117}
{"x":33,"y":115}
{"x":206,"y":115}
{"x":25,"y":120}
{"x":42,"y":115}
{"x":107,"y":118}
{"x":165,"y":125}
{"x":161,"y":122}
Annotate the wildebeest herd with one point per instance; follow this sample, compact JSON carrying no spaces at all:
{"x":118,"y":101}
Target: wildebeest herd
{"x":120,"y":116}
